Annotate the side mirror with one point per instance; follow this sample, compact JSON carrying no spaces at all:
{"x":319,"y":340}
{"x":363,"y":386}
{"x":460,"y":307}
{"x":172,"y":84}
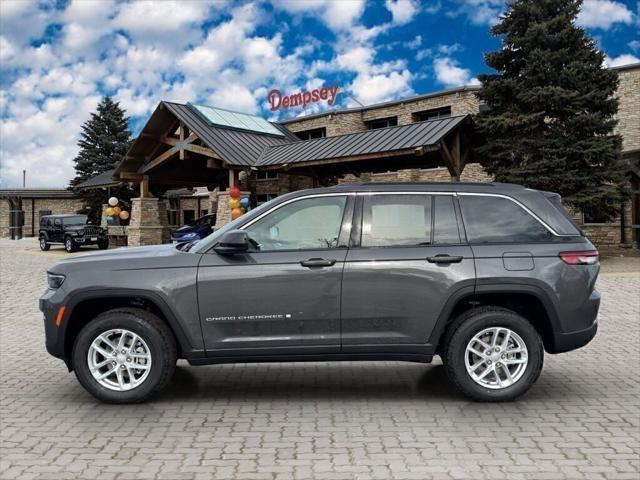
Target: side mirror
{"x":231,"y":242}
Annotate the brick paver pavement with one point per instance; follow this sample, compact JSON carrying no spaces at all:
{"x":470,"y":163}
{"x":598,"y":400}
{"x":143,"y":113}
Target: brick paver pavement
{"x":319,"y":420}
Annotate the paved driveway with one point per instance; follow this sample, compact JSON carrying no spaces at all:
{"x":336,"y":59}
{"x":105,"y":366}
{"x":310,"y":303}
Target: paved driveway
{"x":336,"y":421}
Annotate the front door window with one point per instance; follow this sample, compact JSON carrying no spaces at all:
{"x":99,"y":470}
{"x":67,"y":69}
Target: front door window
{"x":308,"y":224}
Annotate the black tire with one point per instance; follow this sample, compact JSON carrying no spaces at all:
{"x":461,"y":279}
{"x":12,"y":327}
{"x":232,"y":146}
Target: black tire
{"x":70,"y":244}
{"x":470,"y":323}
{"x":44,"y":246}
{"x":155,"y":333}
{"x":103,"y":244}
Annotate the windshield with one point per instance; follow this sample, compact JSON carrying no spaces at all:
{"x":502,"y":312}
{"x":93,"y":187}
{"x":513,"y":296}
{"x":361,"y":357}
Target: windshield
{"x":75,"y":220}
{"x":211,"y":240}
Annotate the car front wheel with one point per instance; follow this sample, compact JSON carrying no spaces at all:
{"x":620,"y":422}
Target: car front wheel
{"x":70,"y":245}
{"x":493,"y":354}
{"x":124,"y":356}
{"x":103,"y":244}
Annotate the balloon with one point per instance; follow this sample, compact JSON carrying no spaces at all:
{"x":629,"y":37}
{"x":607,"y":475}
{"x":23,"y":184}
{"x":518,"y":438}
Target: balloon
{"x":124,"y":215}
{"x":116,"y":211}
{"x":113,"y":201}
{"x":234,"y":192}
{"x":244,"y":210}
{"x":244,"y":202}
{"x":109,"y":212}
{"x":234,"y":203}
{"x":235,"y":213}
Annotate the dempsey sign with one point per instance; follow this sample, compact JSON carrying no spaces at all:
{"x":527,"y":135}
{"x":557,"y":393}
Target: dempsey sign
{"x":301,"y":99}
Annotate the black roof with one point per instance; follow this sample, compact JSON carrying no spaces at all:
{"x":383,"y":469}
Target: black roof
{"x":103,"y":179}
{"x":388,"y":139}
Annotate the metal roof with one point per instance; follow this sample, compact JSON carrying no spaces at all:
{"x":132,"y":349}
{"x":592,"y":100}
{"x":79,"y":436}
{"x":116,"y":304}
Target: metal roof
{"x":103,"y":179}
{"x":235,"y":147}
{"x":420,"y":134}
{"x":36,"y":193}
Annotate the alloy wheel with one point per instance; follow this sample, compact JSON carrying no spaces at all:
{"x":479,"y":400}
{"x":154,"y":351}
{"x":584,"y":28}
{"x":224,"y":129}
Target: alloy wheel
{"x":496,"y":358}
{"x":119,"y":360}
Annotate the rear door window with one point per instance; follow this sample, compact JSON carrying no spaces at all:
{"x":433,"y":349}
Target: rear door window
{"x":445,"y":222}
{"x":489,"y":219}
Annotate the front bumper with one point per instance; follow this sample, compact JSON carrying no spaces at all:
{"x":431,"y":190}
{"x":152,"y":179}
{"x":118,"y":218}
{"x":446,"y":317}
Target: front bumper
{"x":54,"y":336}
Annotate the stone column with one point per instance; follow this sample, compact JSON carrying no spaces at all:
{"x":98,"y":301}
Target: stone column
{"x":149,"y":224}
{"x":103,"y":215}
{"x":223,"y":212}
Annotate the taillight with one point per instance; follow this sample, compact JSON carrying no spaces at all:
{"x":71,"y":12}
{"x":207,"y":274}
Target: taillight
{"x":589,"y":257}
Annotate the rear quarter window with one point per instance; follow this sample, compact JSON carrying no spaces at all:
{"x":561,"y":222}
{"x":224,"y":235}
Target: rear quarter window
{"x":499,"y":220}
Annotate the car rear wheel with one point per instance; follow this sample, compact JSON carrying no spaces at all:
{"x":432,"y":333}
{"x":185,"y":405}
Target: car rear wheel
{"x":44,"y":246}
{"x":124,"y":356}
{"x":492,"y":354}
{"x":70,"y":245}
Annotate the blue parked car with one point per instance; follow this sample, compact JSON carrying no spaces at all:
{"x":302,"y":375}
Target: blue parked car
{"x":196,"y":231}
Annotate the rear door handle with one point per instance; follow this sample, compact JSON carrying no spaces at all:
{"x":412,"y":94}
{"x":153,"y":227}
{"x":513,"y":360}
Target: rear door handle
{"x":317,"y":262}
{"x":444,"y":259}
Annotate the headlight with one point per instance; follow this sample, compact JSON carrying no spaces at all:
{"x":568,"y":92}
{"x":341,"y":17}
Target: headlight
{"x":54,"y":281}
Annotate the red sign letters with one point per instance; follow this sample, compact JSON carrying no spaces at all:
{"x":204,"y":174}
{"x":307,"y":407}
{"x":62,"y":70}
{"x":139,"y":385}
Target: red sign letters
{"x":301,"y":99}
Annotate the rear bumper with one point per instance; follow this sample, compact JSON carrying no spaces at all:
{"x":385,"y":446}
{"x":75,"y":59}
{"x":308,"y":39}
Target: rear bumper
{"x":588,"y":315}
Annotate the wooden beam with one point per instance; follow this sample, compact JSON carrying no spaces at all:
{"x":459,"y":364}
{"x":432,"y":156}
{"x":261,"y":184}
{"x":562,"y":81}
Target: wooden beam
{"x":207,"y":152}
{"x":144,"y":187}
{"x":130,"y":176}
{"x":160,"y":159}
{"x":181,"y":132}
{"x":449,"y":160}
{"x":233,"y":178}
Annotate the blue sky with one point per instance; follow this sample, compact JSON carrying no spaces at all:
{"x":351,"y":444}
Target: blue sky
{"x":57,"y":59}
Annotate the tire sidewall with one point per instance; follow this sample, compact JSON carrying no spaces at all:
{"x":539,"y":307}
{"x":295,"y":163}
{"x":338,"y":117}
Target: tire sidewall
{"x":43,"y":243}
{"x":467,"y":330}
{"x":119,"y":320}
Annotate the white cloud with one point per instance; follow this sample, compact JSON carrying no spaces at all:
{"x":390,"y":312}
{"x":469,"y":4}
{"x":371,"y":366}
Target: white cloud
{"x":450,"y":74}
{"x":620,"y":60}
{"x":337,"y":15}
{"x":402,"y":11}
{"x":603,"y":14}
{"x":634,"y":45}
{"x":479,"y":12}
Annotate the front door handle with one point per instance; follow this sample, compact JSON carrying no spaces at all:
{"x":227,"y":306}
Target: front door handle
{"x":444,"y":259}
{"x":317,"y":262}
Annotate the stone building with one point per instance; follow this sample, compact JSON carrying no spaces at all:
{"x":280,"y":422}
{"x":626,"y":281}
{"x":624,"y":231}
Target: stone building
{"x":33,"y":203}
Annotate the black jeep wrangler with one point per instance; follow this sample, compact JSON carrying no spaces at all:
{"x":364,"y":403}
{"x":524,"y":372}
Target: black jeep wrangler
{"x":72,"y":231}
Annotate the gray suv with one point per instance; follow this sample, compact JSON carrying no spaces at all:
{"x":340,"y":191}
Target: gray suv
{"x":487,"y":276}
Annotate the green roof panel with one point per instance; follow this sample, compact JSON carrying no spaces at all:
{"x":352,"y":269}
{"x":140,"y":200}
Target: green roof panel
{"x":229,"y":119}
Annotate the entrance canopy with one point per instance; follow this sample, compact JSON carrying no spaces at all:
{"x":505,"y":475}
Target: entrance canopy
{"x":195,"y":145}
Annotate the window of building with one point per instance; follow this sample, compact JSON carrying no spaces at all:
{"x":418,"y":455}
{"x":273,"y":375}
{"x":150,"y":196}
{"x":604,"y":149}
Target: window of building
{"x":445,"y":223}
{"x":266,"y":175}
{"x":382,"y":123}
{"x":496,"y":219}
{"x":265,"y":197}
{"x":308,"y":224}
{"x":396,"y":220}
{"x":432,"y":114}
{"x":313,"y":133}
{"x":593,"y":216}
{"x":189,"y":217}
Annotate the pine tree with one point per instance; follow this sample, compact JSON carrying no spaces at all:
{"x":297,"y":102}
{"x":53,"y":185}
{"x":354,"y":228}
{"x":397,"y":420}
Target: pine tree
{"x":551,"y":111}
{"x":104,"y":140}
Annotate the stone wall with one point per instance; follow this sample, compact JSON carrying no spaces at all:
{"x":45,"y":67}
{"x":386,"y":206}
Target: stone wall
{"x":339,"y":123}
{"x":629,"y":107}
{"x":56,"y":205}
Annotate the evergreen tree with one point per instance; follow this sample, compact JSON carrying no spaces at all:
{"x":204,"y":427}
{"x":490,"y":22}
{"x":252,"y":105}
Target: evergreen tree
{"x":104,"y":140}
{"x":551,"y":111}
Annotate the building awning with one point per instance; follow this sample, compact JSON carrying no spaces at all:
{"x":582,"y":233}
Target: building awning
{"x":102,"y":180}
{"x":363,"y":145}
